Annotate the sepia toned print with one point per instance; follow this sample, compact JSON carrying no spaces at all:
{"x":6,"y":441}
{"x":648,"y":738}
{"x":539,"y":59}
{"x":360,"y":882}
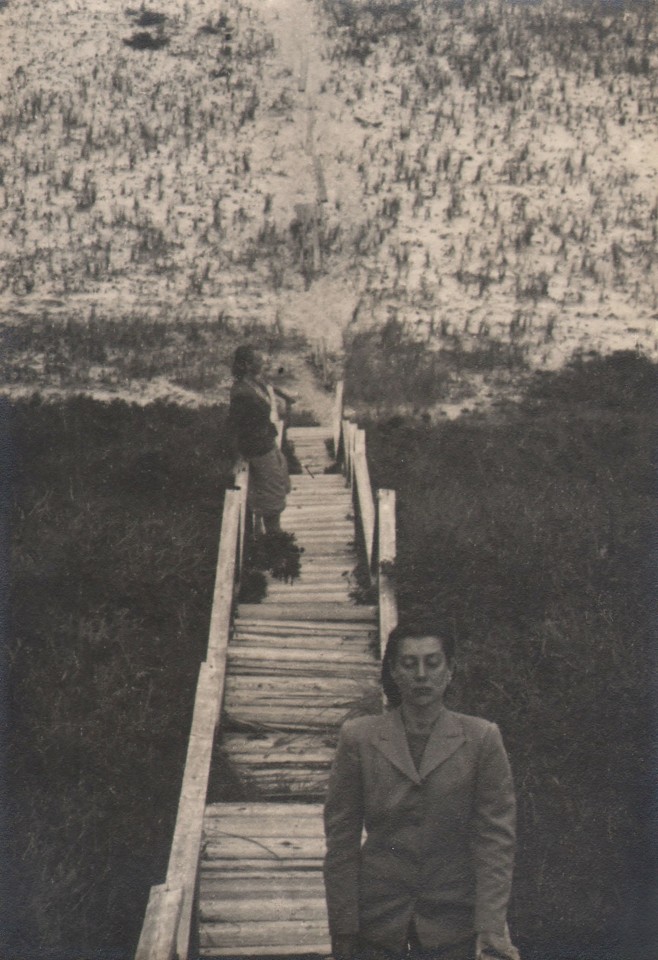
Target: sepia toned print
{"x":436,"y":225}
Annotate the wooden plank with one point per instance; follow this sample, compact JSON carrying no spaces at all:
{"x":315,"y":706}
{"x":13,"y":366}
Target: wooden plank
{"x":304,"y":933}
{"x":298,"y":686}
{"x":285,"y":950}
{"x":313,"y":611}
{"x":364,"y":494}
{"x":388,"y":612}
{"x":327,"y":525}
{"x":327,"y":480}
{"x":338,"y":596}
{"x":284,"y":718}
{"x":277,"y":868}
{"x":356,"y":640}
{"x":257,"y":910}
{"x":264,"y":745}
{"x":308,"y":763}
{"x":218,"y":847}
{"x":337,"y":418}
{"x":157,"y":940}
{"x":344,"y":628}
{"x":277,"y":825}
{"x":295,"y":706}
{"x":185,"y":847}
{"x":214,"y":886}
{"x":334,"y":658}
{"x":319,"y":644}
{"x":255,"y":809}
{"x":309,"y":432}
{"x":224,"y":577}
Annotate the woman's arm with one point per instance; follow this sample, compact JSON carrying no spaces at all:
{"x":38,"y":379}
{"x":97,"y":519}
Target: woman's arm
{"x":343,"y":818}
{"x":493,"y":835}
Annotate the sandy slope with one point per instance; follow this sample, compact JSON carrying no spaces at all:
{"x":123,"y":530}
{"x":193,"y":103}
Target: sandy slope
{"x":185,"y":183}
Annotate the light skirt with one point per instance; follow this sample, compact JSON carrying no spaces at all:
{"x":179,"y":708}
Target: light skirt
{"x":269,"y":482}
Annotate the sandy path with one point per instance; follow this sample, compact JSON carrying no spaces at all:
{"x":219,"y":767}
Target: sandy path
{"x":319,"y":124}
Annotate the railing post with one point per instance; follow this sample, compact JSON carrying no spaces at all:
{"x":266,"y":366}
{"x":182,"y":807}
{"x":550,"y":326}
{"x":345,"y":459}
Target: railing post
{"x":388,"y":611}
{"x":242,"y":484}
{"x":338,"y":414}
{"x":364,"y":494}
{"x":350,"y":439}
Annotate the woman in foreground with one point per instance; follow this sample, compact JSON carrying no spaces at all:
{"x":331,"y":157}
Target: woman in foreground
{"x":434,"y":791}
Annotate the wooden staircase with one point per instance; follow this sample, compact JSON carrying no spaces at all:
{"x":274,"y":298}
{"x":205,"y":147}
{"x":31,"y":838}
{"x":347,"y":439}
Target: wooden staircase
{"x":298,"y":664}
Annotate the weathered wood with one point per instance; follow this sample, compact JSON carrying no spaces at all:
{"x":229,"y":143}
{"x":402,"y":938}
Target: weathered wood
{"x":327,"y":480}
{"x":281,"y":718}
{"x":305,"y":933}
{"x":313,"y":611}
{"x":317,"y":643}
{"x":337,"y":596}
{"x":388,"y":612}
{"x":264,"y":746}
{"x":338,"y":414}
{"x":263,"y":655}
{"x":283,"y":949}
{"x":225,"y":577}
{"x":322,"y":686}
{"x":220,"y":847}
{"x":343,"y":627}
{"x":350,"y":436}
{"x":364,"y":494}
{"x":242,"y":484}
{"x":215,"y":885}
{"x":277,"y":868}
{"x":185,"y":847}
{"x":258,"y":910}
{"x":157,"y":940}
{"x":318,"y":432}
{"x":307,"y":763}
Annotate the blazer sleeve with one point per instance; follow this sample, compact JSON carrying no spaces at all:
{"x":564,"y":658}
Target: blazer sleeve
{"x":493,"y":836}
{"x":343,"y":821}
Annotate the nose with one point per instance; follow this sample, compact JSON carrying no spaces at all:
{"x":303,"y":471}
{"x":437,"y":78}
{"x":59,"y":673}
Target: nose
{"x":421,"y":672}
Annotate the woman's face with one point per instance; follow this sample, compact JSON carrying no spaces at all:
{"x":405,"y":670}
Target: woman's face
{"x":421,"y":671}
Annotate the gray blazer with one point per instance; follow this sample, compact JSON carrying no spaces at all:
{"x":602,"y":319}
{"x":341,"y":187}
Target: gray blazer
{"x":440,"y":841}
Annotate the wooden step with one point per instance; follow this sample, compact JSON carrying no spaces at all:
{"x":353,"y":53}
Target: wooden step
{"x":261,"y":888}
{"x":272,"y":625}
{"x":316,"y":612}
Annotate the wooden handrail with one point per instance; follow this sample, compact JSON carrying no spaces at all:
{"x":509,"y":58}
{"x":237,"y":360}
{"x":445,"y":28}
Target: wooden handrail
{"x":378,"y":529}
{"x":167,"y":927}
{"x":158,"y":937}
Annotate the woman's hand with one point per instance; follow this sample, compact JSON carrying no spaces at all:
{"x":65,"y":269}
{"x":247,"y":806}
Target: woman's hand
{"x":494,"y":946}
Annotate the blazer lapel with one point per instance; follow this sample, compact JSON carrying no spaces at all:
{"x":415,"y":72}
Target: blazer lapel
{"x":392,"y":742}
{"x":447,"y":736}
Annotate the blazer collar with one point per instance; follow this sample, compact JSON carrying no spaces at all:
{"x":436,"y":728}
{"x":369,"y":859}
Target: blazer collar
{"x":446,"y":737}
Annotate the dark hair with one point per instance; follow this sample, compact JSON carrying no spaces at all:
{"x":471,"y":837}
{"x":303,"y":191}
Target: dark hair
{"x":424,"y":625}
{"x":242,"y":360}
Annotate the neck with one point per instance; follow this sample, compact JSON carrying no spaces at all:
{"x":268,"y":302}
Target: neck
{"x":420,"y":719}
